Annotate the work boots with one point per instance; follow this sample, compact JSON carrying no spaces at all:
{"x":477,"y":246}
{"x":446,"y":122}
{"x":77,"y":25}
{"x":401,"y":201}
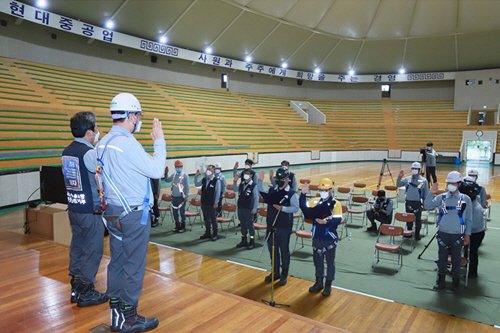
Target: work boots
{"x":318,"y":285}
{"x":243,"y":242}
{"x":251,"y":244}
{"x":177,"y":227}
{"x":456,"y":285}
{"x":269,"y":278}
{"x":154,"y":223}
{"x":90,"y":296}
{"x":284,"y":276}
{"x":440,"y":282}
{"x":182,"y":227}
{"x":206,"y":235}
{"x":76,"y":288}
{"x":134,"y":322}
{"x":214,"y":236}
{"x":328,"y":288}
{"x":116,"y":315}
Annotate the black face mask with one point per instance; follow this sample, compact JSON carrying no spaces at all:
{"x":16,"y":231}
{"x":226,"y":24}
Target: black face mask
{"x":381,"y":199}
{"x":280,"y":183}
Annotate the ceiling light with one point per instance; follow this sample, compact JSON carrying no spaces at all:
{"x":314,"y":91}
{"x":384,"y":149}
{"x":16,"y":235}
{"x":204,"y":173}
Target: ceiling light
{"x":317,"y":70}
{"x":284,"y":65}
{"x":351,"y":72}
{"x":41,"y":3}
{"x":208,"y":50}
{"x":402,"y":70}
{"x":163,"y":39}
{"x":248,"y":59}
{"x":110,"y":24}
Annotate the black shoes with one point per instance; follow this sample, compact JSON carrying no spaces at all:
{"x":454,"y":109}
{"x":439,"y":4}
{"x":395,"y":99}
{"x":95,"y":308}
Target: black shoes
{"x":269,"y":277}
{"x":182,"y":227}
{"x":214,"y":236}
{"x":76,"y":288}
{"x":90,"y":296}
{"x":440,"y":282}
{"x":154,"y":223}
{"x":455,"y":287}
{"x":318,"y":286}
{"x":328,"y":288}
{"x":134,"y":322}
{"x":116,"y":315}
{"x":206,"y":235}
{"x":284,"y":276}
{"x":243,"y":242}
{"x":251,"y":244}
{"x":372,"y":228}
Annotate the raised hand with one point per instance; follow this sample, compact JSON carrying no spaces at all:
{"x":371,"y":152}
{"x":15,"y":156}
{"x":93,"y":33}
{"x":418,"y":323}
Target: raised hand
{"x":197,"y":173}
{"x":236,"y":165}
{"x":401,"y":173}
{"x":166,"y":171}
{"x":305,"y":188}
{"x":236,"y":177}
{"x":434,"y":188}
{"x":157,"y":132}
{"x":271,"y":174}
{"x":261,"y":175}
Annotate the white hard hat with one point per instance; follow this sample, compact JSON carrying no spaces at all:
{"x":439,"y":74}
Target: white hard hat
{"x":416,"y":165}
{"x":473,"y":172}
{"x":454,"y":177}
{"x":124,"y":102}
{"x":469,"y":179}
{"x":218,"y":166}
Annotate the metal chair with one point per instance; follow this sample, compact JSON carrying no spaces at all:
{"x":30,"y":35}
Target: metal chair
{"x":358,"y":189}
{"x":303,"y":233}
{"x":407,"y":218}
{"x":230,"y":210}
{"x":395,"y":196}
{"x":347,"y":194}
{"x":464,"y":262}
{"x":374,"y":197}
{"x":163,"y":210}
{"x":487,"y":210}
{"x":230,"y":196}
{"x":343,"y":223}
{"x":194,"y":202}
{"x":392,"y":231}
{"x":364,"y":206}
{"x":261,"y":226}
{"x":312,"y":188}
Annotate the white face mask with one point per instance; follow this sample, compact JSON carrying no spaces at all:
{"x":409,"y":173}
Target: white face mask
{"x":138,"y":127}
{"x":217,"y":171}
{"x":452,"y":188}
{"x":209,"y":173}
{"x":475,"y":178}
{"x":284,"y":167}
{"x":96,"y":138}
{"x":324,"y":194}
{"x":246,"y":176}
{"x":414,"y":171}
{"x":247,"y":166}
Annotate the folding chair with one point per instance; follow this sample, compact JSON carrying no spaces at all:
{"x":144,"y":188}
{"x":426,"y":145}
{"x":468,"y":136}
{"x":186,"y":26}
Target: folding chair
{"x":395,"y":196}
{"x":229,"y":187}
{"x":407,"y":218}
{"x":464,"y":262}
{"x":392,"y":231}
{"x":230,"y":210}
{"x":303,"y":233}
{"x":426,"y":219}
{"x":230,"y":196}
{"x":163,"y":210}
{"x":342,"y":223}
{"x":312,"y":188}
{"x":194,"y":213}
{"x":374,"y":197}
{"x":346,"y":191}
{"x":364,"y":206}
{"x":261,"y":226}
{"x":487,"y":210}
{"x":358,"y":189}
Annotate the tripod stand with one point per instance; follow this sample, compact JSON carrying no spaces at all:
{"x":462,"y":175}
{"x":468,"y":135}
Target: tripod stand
{"x":272,"y":231}
{"x":382,"y":171}
{"x":425,"y":248}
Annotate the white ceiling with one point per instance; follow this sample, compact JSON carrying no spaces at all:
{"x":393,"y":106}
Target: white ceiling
{"x":371,"y":36}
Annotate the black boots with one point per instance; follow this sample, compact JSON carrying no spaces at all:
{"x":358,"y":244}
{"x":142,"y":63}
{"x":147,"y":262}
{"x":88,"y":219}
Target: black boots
{"x":76,"y":288}
{"x":328,"y":288}
{"x":90,"y":296}
{"x":182,"y":227}
{"x":243,"y":242}
{"x":284,"y":276}
{"x":456,"y":285}
{"x":206,"y":235}
{"x":317,"y":286}
{"x":134,"y":322}
{"x":440,"y":282}
{"x":372,"y":228}
{"x":269,"y":277}
{"x":214,"y":236}
{"x":116,"y":315}
{"x":177,"y":227}
{"x":251,"y":245}
{"x":154,"y":223}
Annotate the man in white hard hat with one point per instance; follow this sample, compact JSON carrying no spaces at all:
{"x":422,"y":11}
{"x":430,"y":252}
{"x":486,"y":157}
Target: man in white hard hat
{"x":415,"y":192}
{"x":482,"y":193}
{"x":453,"y":227}
{"x":223,"y":185}
{"x":127,"y":169}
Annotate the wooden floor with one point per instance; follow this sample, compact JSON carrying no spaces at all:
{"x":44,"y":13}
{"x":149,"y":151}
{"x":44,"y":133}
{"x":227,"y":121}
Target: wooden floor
{"x":191,"y":293}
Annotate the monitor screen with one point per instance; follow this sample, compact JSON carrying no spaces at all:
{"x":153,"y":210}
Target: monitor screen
{"x":52,"y":185}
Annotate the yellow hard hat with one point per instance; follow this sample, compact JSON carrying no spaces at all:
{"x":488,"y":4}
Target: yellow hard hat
{"x":326,"y":184}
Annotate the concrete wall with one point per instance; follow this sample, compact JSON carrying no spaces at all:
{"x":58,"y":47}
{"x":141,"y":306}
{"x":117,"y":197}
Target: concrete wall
{"x":423,"y":90}
{"x":479,"y":95}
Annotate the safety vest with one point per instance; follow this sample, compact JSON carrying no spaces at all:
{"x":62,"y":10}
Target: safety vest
{"x":443,"y":210}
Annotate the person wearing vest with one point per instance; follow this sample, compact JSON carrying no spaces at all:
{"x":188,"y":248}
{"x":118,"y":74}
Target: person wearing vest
{"x":474,"y":174}
{"x":180,"y":194}
{"x":472,"y":189}
{"x":292,"y":180}
{"x":127,"y":169}
{"x":223,"y":185}
{"x":381,"y":210}
{"x":324,"y":234}
{"x":210,"y":193}
{"x":430,"y":163}
{"x":280,"y":222}
{"x":84,"y":210}
{"x":248,"y":165}
{"x":248,"y":202}
{"x":453,"y":227}
{"x":416,"y":189}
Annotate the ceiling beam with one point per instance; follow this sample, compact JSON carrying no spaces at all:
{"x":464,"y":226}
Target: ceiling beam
{"x":329,"y":53}
{"x":357,"y":56}
{"x":179,"y":18}
{"x":226,"y":28}
{"x":404,"y":53}
{"x":456,"y":52}
{"x":124,"y":3}
{"x":301,"y":45}
{"x":265,"y":38}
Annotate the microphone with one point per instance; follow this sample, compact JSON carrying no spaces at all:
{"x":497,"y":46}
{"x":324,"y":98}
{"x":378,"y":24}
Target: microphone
{"x":284,"y":198}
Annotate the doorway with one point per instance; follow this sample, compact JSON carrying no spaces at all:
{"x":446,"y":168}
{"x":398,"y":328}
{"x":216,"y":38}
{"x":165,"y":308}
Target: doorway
{"x":478,"y":150}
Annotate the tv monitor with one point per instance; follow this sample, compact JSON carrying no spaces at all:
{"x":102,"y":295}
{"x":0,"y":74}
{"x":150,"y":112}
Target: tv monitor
{"x":52,"y":187}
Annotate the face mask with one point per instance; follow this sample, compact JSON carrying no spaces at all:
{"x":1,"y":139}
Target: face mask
{"x":179,"y":170}
{"x":247,"y":166}
{"x":209,"y":173}
{"x":324,"y":194}
{"x":217,"y":171}
{"x":280,"y":183}
{"x":246,"y":176}
{"x":96,"y":138}
{"x":414,"y":171}
{"x":475,"y":178}
{"x":381,"y":199}
{"x":452,"y":188}
{"x":284,"y":167}
{"x":138,"y":127}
